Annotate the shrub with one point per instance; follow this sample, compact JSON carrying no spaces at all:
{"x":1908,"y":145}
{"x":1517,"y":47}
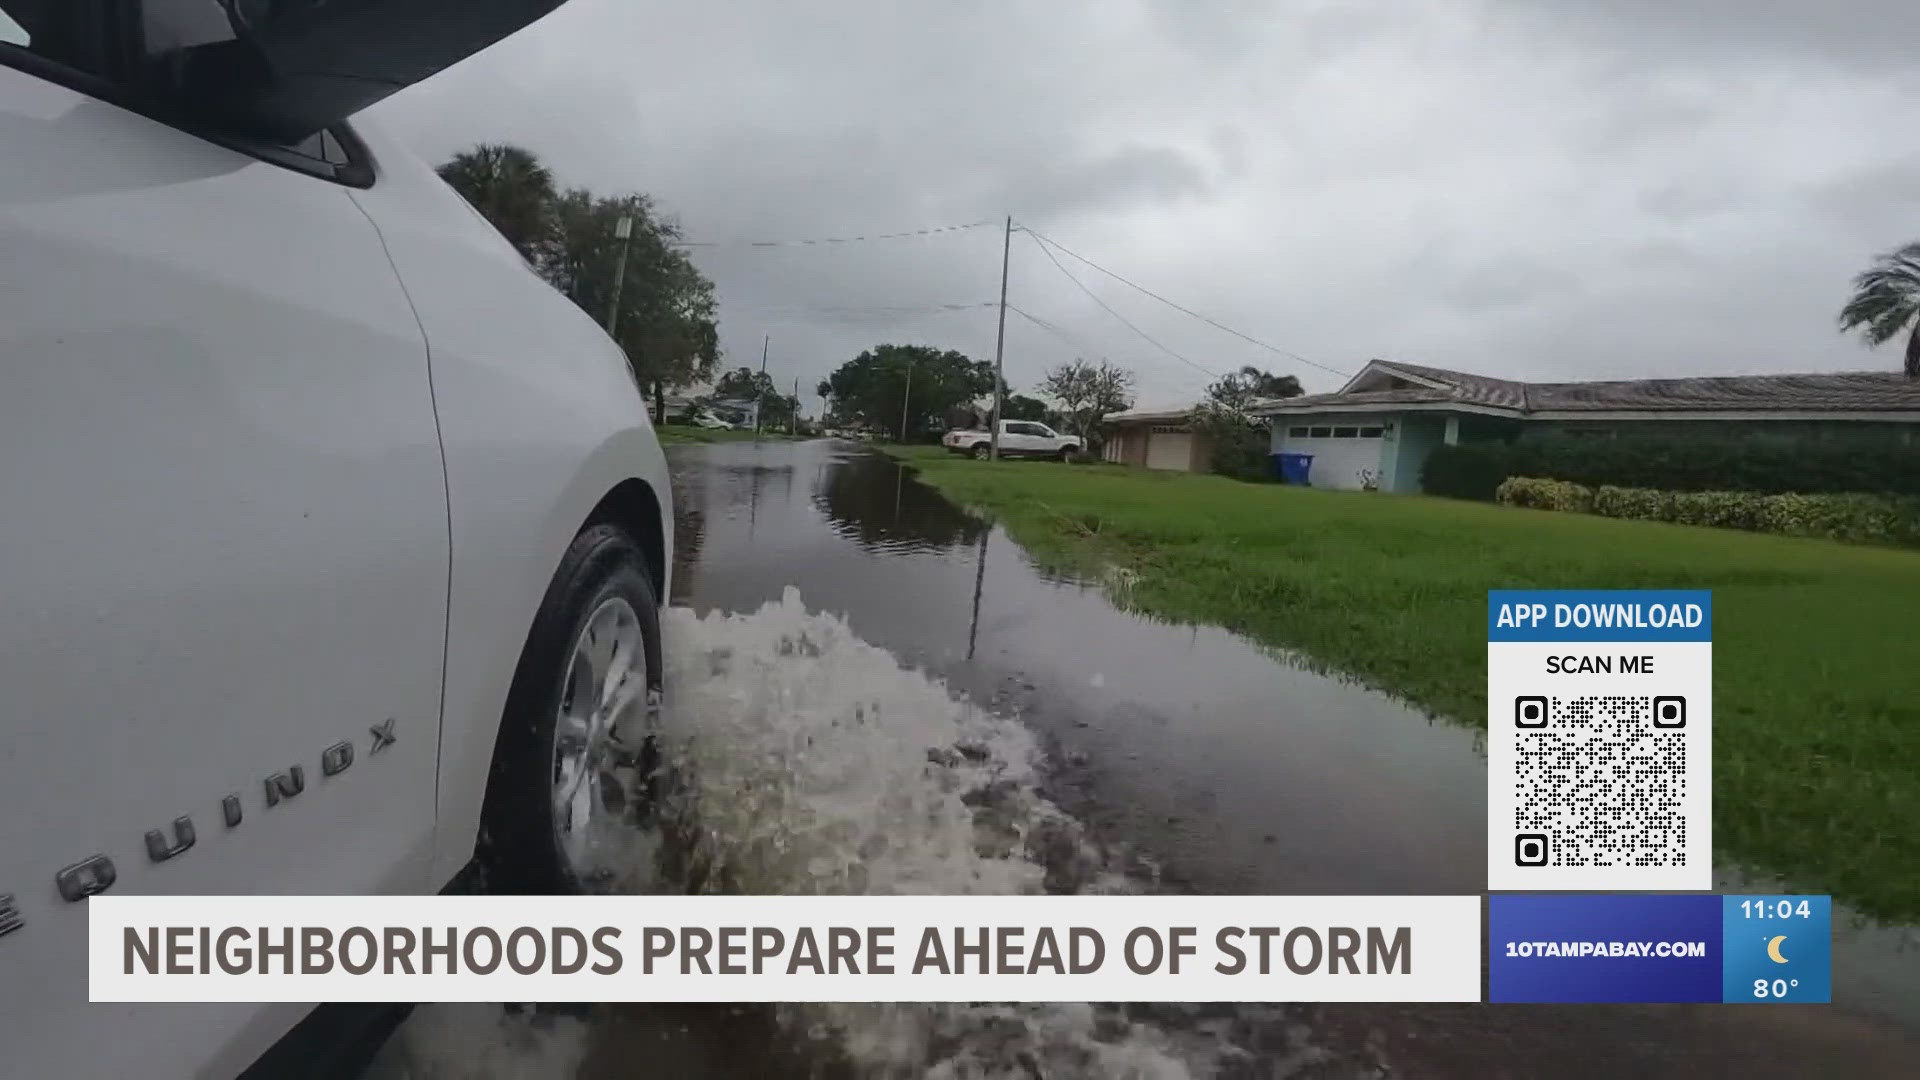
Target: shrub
{"x":1717,"y":509}
{"x":1857,"y":518}
{"x":1850,"y":517}
{"x":1240,"y":446}
{"x":1642,"y":504}
{"x":1671,"y":463}
{"x":1545,"y":494}
{"x":1468,"y":470}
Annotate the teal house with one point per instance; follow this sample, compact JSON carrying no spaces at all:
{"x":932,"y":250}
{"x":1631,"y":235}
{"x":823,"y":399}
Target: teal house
{"x":1377,"y":430}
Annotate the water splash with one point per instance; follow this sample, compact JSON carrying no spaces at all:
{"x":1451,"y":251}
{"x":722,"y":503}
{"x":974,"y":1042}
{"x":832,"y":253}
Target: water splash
{"x":812,"y":762}
{"x":805,"y":760}
{"x":482,"y":1042}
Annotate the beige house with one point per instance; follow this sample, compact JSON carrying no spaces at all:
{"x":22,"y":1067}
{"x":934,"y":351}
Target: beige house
{"x":1156,"y":439}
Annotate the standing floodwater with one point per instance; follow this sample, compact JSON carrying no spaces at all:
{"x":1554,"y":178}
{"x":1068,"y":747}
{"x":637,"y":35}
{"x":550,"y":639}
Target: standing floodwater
{"x":1233,"y":769}
{"x":888,"y":696}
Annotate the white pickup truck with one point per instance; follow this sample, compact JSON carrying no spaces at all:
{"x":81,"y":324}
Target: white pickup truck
{"x":1018,"y":438}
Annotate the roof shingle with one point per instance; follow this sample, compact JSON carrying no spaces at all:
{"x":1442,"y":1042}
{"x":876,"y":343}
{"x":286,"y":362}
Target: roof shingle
{"x":1852,"y":391}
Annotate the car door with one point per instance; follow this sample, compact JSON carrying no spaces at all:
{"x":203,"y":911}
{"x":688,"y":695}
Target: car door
{"x":1018,"y":438}
{"x":223,"y":557}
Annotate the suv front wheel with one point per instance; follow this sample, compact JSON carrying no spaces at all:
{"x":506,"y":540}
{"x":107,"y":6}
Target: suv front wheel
{"x":574,"y":769}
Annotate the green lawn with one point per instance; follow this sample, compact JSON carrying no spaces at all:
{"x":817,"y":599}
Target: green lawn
{"x":688,"y":433}
{"x":1816,"y":658}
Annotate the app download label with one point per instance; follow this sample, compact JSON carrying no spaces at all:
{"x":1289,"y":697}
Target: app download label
{"x":1641,"y":948}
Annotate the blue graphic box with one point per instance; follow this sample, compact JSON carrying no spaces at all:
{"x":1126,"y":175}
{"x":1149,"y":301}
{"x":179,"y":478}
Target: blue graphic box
{"x":1778,"y":948}
{"x":1529,"y":938}
{"x":1659,"y":948}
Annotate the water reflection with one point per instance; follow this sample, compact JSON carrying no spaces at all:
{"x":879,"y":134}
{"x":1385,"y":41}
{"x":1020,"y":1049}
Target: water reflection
{"x":872,"y":501}
{"x":979,"y":579}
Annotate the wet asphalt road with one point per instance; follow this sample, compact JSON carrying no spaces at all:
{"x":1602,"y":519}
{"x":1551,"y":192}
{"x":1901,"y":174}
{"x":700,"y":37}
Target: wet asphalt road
{"x":1216,"y":766}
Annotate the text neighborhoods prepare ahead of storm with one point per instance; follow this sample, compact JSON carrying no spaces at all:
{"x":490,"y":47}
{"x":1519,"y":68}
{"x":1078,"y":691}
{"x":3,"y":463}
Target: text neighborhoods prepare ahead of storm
{"x":755,"y":950}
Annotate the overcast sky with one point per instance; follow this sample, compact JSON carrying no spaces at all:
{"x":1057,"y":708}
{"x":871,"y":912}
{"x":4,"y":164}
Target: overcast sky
{"x":1576,"y":189}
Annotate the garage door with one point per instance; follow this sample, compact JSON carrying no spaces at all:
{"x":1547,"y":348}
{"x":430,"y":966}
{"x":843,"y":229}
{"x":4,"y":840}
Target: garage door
{"x":1170,"y":450}
{"x":1340,"y":454}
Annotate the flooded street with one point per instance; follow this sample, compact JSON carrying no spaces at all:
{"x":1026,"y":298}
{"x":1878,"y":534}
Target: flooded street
{"x":1164,"y":737}
{"x":1072,"y":747}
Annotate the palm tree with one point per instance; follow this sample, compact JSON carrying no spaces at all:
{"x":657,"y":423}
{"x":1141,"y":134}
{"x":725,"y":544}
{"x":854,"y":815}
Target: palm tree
{"x":511,"y":189}
{"x":1886,"y":300}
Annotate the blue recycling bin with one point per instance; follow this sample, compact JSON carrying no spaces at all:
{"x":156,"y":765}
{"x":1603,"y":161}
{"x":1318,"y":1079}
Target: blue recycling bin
{"x":1293,"y":468}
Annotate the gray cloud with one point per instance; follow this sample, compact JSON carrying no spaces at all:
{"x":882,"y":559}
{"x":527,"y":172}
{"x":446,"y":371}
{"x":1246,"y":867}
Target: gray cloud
{"x":1852,"y":32}
{"x":1134,"y":176}
{"x":1564,"y":190}
{"x":1505,"y":283}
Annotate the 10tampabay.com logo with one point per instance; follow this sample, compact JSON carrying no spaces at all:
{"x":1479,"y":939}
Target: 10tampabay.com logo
{"x":1628,"y":948}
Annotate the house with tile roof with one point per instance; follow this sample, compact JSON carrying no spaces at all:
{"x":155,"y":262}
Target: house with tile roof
{"x":1156,"y":438}
{"x":1377,"y":430}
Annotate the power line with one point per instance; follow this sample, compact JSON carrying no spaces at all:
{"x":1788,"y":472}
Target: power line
{"x":850,"y":310}
{"x":1056,"y":331}
{"x":1048,"y":241}
{"x":931,"y":231}
{"x":1109,"y":310}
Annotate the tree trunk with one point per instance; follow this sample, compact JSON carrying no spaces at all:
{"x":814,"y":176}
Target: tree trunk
{"x":659,"y":403}
{"x":1913,"y":352}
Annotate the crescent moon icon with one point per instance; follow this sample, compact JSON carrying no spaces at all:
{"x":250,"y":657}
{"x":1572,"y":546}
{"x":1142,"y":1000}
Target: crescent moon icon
{"x":1773,"y":950}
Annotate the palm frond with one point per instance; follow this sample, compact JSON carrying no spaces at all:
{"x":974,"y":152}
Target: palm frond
{"x":1886,"y":296}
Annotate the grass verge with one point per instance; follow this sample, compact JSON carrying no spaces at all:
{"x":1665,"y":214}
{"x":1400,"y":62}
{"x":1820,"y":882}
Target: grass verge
{"x":1816,"y":682}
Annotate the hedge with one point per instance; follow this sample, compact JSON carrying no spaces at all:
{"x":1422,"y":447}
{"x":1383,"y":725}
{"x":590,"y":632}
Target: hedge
{"x":1855,"y":518}
{"x":1475,"y":470}
{"x":1545,"y":494}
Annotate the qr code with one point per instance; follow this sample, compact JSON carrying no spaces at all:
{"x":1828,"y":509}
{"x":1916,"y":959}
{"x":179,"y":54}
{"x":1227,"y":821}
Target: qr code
{"x":1600,"y":781}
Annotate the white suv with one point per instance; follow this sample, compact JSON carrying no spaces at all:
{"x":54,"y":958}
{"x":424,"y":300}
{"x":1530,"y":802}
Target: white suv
{"x":332,"y":540}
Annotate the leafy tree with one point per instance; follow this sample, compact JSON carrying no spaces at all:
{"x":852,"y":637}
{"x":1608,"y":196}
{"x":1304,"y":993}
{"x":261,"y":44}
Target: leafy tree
{"x":1886,"y":301}
{"x":1087,"y":392}
{"x":1022,"y":407}
{"x":1240,"y":389}
{"x":746,"y":384}
{"x":668,"y":322}
{"x":872,"y":388}
{"x":511,"y":189}
{"x":780,"y":411}
{"x":1241,"y":441}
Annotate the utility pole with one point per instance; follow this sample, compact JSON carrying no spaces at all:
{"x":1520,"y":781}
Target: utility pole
{"x":904,"y":399}
{"x":793,"y":418}
{"x":758,"y":393}
{"x":623,"y":232}
{"x":1000,"y":342}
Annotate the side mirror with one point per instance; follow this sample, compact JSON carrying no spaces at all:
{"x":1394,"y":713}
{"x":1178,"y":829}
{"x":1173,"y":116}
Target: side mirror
{"x":292,"y":67}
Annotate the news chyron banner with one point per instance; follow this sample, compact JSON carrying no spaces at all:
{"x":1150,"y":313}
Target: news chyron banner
{"x":1599,"y":740}
{"x":784,"y":948}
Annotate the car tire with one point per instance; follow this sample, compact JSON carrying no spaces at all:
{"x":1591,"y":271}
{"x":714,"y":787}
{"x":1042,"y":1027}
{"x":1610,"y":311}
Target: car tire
{"x":594,"y":649}
{"x":981,"y":451}
{"x":1066,"y":455}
